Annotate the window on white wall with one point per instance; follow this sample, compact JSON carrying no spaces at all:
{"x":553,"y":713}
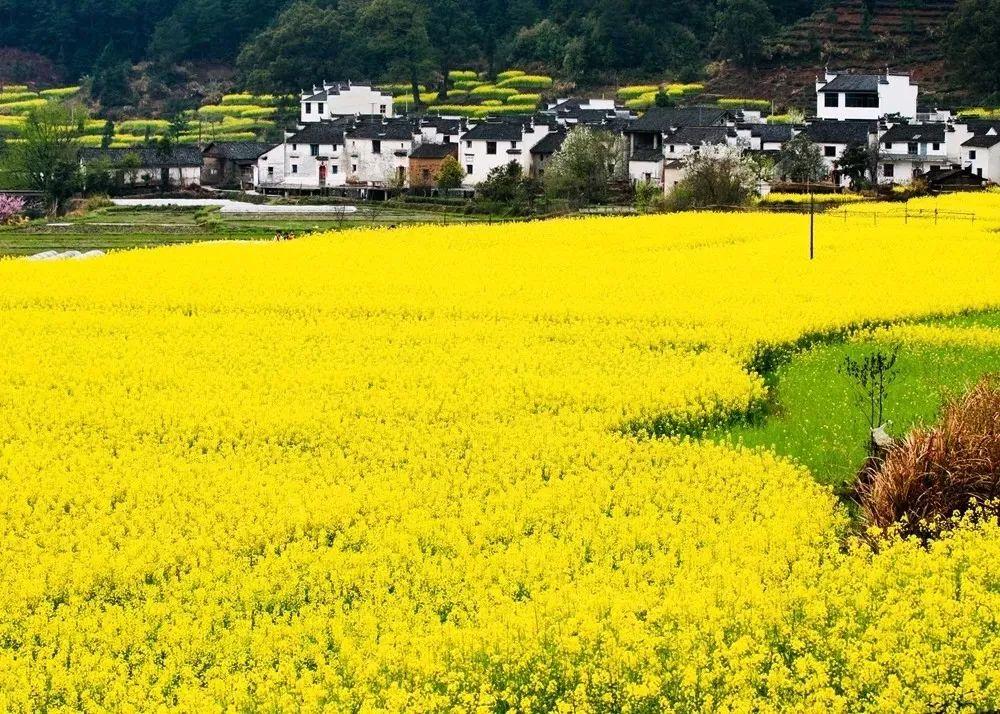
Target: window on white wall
{"x":309,"y":108}
{"x":295,"y":168}
{"x":320,"y":107}
{"x":829,"y":151}
{"x":831,"y":99}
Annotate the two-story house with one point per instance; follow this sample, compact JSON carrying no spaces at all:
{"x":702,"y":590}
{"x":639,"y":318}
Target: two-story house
{"x":981,"y":154}
{"x":844,"y":97}
{"x":835,"y":136}
{"x":498,"y":142}
{"x":310,"y":158}
{"x":378,"y":151}
{"x":343,"y":99}
{"x":909,"y":150}
{"x":648,"y":136}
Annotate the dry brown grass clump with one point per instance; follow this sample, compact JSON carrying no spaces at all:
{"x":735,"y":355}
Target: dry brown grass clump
{"x":939,"y":471}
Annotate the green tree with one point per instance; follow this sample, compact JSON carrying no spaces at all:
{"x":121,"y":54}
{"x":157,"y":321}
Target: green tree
{"x":109,"y":79}
{"x":585,"y":166}
{"x":725,"y":179}
{"x":972,"y":44}
{"x":508,"y":185}
{"x":108,"y":134}
{"x":398,"y":30}
{"x":305,"y":44}
{"x":453,"y":39}
{"x":450,"y":175}
{"x":46,"y":159}
{"x":801,"y":161}
{"x":859,"y":163}
{"x":740,"y":30}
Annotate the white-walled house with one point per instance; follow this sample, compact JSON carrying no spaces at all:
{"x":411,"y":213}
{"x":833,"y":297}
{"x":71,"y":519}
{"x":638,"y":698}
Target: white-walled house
{"x":834,"y":138}
{"x":343,"y":99}
{"x":497,"y":142}
{"x":648,"y":137}
{"x":311,"y":158}
{"x":981,"y":154}
{"x":378,"y":151}
{"x":180,"y":167}
{"x":865,"y":96}
{"x":908,"y":150}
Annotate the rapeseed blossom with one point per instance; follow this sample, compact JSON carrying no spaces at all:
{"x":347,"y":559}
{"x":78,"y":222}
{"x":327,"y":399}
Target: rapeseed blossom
{"x":407,"y":471}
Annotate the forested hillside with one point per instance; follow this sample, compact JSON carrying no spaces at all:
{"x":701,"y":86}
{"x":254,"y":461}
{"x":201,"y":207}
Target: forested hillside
{"x":279,"y":45}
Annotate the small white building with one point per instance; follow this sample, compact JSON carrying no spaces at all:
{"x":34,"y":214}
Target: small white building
{"x":311,"y":158}
{"x":981,"y":155}
{"x":179,"y":167}
{"x":649,"y":137}
{"x":909,"y":150}
{"x":834,"y":138}
{"x":865,"y":96}
{"x":343,"y":99}
{"x":498,"y":142}
{"x":378,"y":151}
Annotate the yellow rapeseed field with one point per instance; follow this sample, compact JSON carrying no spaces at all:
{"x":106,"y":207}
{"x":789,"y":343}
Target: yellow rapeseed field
{"x":406,"y":470}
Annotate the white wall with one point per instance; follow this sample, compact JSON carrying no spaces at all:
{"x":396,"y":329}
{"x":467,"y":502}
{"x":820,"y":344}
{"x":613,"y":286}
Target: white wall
{"x":474,"y":154}
{"x":648,"y":171}
{"x":381,"y":169}
{"x":986,"y":162}
{"x":358,"y":99}
{"x":897,"y":96}
{"x":294,"y":166}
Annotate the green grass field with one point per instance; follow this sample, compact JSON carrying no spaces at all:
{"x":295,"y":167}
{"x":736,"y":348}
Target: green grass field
{"x":117,"y":228}
{"x":814,"y":417}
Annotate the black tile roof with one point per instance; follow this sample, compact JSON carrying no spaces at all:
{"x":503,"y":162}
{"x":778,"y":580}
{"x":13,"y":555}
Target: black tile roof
{"x":646,"y":154}
{"x":914,"y":132}
{"x":237,"y":150}
{"x":697,"y":135}
{"x":853,"y":83}
{"x":183,"y":155}
{"x":444,"y":125}
{"x":666,"y":119}
{"x":549,"y":144}
{"x":983,"y":141}
{"x":390,"y":129}
{"x":320,"y":133}
{"x":430,"y":150}
{"x":770,"y":133}
{"x":839,"y":132}
{"x":495,"y":130}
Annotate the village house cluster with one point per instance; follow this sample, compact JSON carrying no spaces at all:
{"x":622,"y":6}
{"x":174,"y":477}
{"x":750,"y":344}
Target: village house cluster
{"x":349,"y":139}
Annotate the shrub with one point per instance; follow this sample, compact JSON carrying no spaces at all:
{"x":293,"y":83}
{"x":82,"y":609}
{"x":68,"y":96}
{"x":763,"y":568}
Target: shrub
{"x":259,"y":112}
{"x":141,"y":126}
{"x":492,"y":103}
{"x":685,"y":89}
{"x":527,"y":81}
{"x":237,"y":99}
{"x":636,"y":91}
{"x":737,"y":103}
{"x":22,"y":107}
{"x":524,"y":99}
{"x":462,"y":75}
{"x":940,"y":471}
{"x":59,"y":92}
{"x":642,"y":102}
{"x":727,"y":180}
{"x":490,"y":91}
{"x":11,"y":97}
{"x":509,"y":74}
{"x":469,"y":84}
{"x":11,"y":208}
